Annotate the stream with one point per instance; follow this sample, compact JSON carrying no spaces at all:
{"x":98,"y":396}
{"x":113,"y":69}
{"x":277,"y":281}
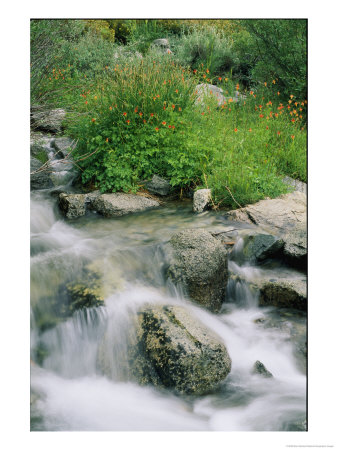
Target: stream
{"x":68,"y":391}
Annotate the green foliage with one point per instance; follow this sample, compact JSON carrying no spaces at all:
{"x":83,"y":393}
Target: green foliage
{"x":279,"y":51}
{"x":205,"y":46}
{"x":101,"y":28}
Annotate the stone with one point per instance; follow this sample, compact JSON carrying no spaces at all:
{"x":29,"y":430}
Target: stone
{"x":158,"y":186}
{"x":39,"y":180}
{"x":295,"y":185}
{"x":163,"y":43}
{"x":275,"y":216}
{"x":203,"y":90}
{"x":49,"y":121}
{"x":202,"y":200}
{"x":260,"y":369}
{"x":119,"y":204}
{"x":63,"y":146}
{"x":183,"y":353}
{"x":80,"y":295}
{"x":40,"y":146}
{"x":290,"y":293}
{"x":295,"y":247}
{"x":199,"y":263}
{"x":260,"y":246}
{"x":72,"y":205}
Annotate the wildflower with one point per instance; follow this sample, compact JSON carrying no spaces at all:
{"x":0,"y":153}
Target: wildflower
{"x":172,"y":127}
{"x":136,"y":109}
{"x":151,"y":114}
{"x":128,"y":122}
{"x":176,"y":91}
{"x":278,"y":93}
{"x":194,"y":70}
{"x":219,"y":78}
{"x":95,"y":97}
{"x":124,"y":113}
{"x":164,"y":82}
{"x":173,"y":106}
{"x":265,"y":83}
{"x":250,"y":130}
{"x":296,"y":103}
{"x":164,"y":108}
{"x":93,"y":120}
{"x":204,"y":76}
{"x":267,"y":128}
{"x":235,"y":130}
{"x":156,"y":129}
{"x":273,"y":81}
{"x":260,"y":106}
{"x":107,"y":140}
{"x":86,"y":103}
{"x":140,"y":114}
{"x":202,"y":113}
{"x":229,"y":109}
{"x":111,"y":108}
{"x":300,"y":117}
{"x":292,"y":136}
{"x":207,"y":71}
{"x":144,"y":121}
{"x":291,"y":96}
{"x":261,"y":116}
{"x":292,"y":120}
{"x":164,"y":123}
{"x":294,"y":111}
{"x":251,"y":92}
{"x":300,"y":109}
{"x":180,"y":109}
{"x":278,"y":132}
{"x":226,"y":79}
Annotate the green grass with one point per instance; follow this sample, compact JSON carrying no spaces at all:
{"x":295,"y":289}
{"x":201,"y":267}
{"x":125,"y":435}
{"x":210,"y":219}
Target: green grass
{"x":139,"y":117}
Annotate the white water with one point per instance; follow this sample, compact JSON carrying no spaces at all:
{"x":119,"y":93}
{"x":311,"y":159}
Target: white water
{"x":70,"y":392}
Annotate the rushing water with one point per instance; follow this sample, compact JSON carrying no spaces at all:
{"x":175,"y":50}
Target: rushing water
{"x":68,"y":390}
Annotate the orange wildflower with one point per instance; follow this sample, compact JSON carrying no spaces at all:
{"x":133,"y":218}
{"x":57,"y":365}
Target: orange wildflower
{"x":250,"y":130}
{"x":93,"y":120}
{"x":128,"y":122}
{"x":107,"y":140}
{"x":235,"y":130}
{"x":261,"y":116}
{"x":124,"y":113}
{"x":156,"y":129}
{"x":219,"y":78}
{"x":164,"y":123}
{"x":292,"y":136}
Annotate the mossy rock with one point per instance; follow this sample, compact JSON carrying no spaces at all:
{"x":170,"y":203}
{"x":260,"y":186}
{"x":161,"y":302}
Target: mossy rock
{"x":177,"y":351}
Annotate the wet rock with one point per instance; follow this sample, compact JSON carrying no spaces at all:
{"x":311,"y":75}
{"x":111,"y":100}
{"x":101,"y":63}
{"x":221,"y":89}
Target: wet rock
{"x":72,"y":205}
{"x":82,"y":296}
{"x":284,"y":294}
{"x":49,"y":121}
{"x":202,"y":200}
{"x":39,"y":180}
{"x":260,"y":369}
{"x":199,"y":262}
{"x":183,"y":352}
{"x":275,"y":216}
{"x":119,"y":204}
{"x":158,"y":186}
{"x":39,"y":146}
{"x":63,"y":146}
{"x":259,"y":246}
{"x":295,"y":247}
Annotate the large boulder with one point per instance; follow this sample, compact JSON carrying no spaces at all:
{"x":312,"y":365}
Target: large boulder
{"x":162,"y":43}
{"x":274,"y":215}
{"x":202,"y":200}
{"x":295,"y":246}
{"x":174,"y":349}
{"x":159,"y":186}
{"x":199,"y":263}
{"x":49,"y":121}
{"x":119,"y":204}
{"x":72,"y":205}
{"x":295,"y":185}
{"x":39,"y":179}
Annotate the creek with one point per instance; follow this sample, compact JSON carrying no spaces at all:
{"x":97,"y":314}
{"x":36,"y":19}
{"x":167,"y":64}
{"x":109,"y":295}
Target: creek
{"x":69,"y":393}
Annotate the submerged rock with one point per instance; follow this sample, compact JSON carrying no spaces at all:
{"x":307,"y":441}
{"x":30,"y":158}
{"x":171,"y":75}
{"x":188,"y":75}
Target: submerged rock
{"x":260,"y":369}
{"x":72,"y":205}
{"x":202,"y":200}
{"x":158,"y":186}
{"x":179,"y":351}
{"x":119,"y":204}
{"x":199,"y":262}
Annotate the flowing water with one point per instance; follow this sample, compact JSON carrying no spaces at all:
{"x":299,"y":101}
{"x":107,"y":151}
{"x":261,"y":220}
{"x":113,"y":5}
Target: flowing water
{"x":68,"y":390}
